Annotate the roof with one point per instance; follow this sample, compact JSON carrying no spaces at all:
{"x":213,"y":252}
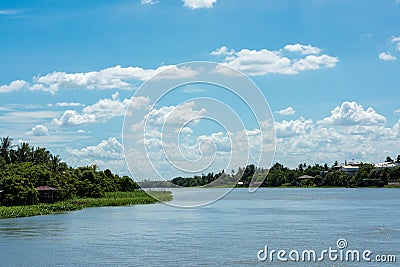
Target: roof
{"x":45,"y":188}
{"x":305,"y":177}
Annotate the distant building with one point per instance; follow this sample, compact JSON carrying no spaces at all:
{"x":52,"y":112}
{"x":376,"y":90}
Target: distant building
{"x":349,"y":169}
{"x":303,"y":178}
{"x":393,"y":183}
{"x":46,"y":193}
{"x":385,"y":165}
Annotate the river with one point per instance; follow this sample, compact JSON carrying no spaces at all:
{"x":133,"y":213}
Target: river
{"x":229,"y":232}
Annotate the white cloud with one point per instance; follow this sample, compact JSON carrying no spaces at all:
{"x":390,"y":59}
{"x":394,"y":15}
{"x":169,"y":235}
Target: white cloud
{"x":110,"y":78}
{"x":263,"y":62}
{"x":293,"y":127}
{"x":386,"y":56}
{"x":223,"y":50}
{"x":351,"y":132}
{"x":195,"y":4}
{"x":102,"y":111}
{"x":106,"y":149}
{"x":351,"y":113}
{"x":38,"y":130}
{"x":222,"y":141}
{"x":115,"y":96}
{"x":69,"y":104}
{"x":396,"y":40}
{"x":396,"y":128}
{"x":174,"y":115}
{"x":303,"y":49}
{"x":72,"y":118}
{"x":285,"y":112}
{"x":397,"y":110}
{"x":9,"y":11}
{"x":148,"y":2}
{"x":14,"y":86}
{"x":313,"y":62}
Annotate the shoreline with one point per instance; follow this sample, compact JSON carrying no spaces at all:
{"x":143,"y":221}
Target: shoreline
{"x":111,"y":199}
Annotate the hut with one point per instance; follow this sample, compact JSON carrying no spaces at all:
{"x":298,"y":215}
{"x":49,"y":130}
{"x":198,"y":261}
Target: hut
{"x":46,"y":193}
{"x":304,"y":178}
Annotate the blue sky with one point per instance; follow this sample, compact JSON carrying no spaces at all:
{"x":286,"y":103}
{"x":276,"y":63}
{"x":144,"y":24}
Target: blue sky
{"x":328,"y":68}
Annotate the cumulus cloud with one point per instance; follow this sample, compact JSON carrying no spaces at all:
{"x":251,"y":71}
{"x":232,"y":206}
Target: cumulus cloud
{"x":106,"y":149}
{"x":386,"y":56}
{"x":223,"y":50}
{"x":174,"y":115}
{"x":110,"y":78}
{"x":351,"y":132}
{"x":14,"y":86}
{"x":73,"y":118}
{"x":102,"y":111}
{"x":264,"y":61}
{"x":38,"y":130}
{"x":303,"y":49}
{"x":220,"y":139}
{"x":314,"y":62}
{"x":285,"y":112}
{"x":352,"y":113}
{"x":195,"y":4}
{"x":293,"y":127}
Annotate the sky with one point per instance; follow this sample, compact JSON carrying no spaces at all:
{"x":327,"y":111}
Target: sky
{"x":328,"y":69}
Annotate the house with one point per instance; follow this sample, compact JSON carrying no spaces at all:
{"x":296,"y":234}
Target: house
{"x":47,"y":193}
{"x":349,"y":169}
{"x":385,"y":165}
{"x":304,"y":177}
{"x":394,"y":183}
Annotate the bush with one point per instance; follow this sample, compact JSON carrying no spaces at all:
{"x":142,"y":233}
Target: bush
{"x":17,"y":191}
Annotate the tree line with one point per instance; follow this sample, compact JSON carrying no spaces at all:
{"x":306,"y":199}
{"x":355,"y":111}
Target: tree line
{"x":279,"y":175}
{"x":24,"y":167}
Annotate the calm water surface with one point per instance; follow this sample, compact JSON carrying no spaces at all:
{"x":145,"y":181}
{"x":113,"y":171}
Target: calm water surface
{"x":229,"y":232}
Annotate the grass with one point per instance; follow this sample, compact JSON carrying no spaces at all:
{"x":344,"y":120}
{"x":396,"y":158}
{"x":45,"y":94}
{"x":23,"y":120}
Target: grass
{"x":109,"y":199}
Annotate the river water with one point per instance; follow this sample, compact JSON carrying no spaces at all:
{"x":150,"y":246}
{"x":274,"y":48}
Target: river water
{"x":229,"y":232}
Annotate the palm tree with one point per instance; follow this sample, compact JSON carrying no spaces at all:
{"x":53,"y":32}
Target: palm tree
{"x":55,"y":162}
{"x":5,"y":148}
{"x":23,"y":152}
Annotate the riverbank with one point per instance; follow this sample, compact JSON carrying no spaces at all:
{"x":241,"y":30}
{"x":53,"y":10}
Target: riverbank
{"x":109,"y":199}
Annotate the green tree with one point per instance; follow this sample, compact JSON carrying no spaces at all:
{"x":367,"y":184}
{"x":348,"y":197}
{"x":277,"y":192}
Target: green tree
{"x":126,"y":184}
{"x":17,"y":191}
{"x":5,"y":147}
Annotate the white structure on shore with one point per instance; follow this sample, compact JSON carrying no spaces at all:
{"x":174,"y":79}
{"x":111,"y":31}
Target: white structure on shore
{"x":353,"y":167}
{"x":385,"y":165}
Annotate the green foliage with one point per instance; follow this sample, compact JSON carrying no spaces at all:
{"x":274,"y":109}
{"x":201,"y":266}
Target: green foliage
{"x":109,"y":199}
{"x":280,"y":175}
{"x":17,"y":191}
{"x":24,"y":167}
